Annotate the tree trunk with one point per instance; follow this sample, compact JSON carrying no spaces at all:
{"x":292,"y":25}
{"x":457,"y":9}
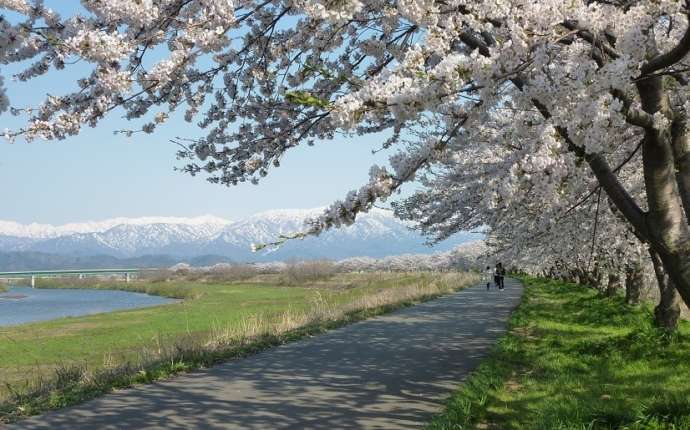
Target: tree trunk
{"x":613,"y":285}
{"x":572,"y":276}
{"x":597,"y":278}
{"x":667,"y":312}
{"x":580,"y":276}
{"x":681,"y":154}
{"x":667,"y":229}
{"x":634,"y":280}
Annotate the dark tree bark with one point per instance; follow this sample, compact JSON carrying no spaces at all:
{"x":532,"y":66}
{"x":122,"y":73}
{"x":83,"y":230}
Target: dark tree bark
{"x":667,"y":312}
{"x":681,"y":154}
{"x":580,"y":276}
{"x":634,"y":281}
{"x":666,"y":226}
{"x":597,"y":278}
{"x":614,"y":284}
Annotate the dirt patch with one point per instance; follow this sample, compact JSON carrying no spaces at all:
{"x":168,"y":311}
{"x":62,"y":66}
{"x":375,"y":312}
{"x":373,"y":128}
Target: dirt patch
{"x":512,"y":385}
{"x":331,"y":286}
{"x":484,"y":425}
{"x":525,"y":332}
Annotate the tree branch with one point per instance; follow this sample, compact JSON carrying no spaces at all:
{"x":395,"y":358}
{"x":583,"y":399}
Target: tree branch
{"x":633,"y":116}
{"x":600,"y":167}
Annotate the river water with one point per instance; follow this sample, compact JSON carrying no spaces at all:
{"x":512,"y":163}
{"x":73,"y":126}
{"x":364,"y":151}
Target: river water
{"x":21,"y":305}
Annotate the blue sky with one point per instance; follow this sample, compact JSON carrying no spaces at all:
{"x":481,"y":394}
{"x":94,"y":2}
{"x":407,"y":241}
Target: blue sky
{"x":100,"y":175}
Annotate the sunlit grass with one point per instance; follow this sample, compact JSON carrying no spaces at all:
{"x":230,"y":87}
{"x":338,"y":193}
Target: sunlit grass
{"x":576,"y":360}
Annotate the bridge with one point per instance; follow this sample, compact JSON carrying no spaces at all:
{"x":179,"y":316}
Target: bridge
{"x":33,"y":274}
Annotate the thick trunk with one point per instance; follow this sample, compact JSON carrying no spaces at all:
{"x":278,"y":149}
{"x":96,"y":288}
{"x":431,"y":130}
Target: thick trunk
{"x":681,"y":156}
{"x":580,"y":276}
{"x":667,"y":312}
{"x":613,"y":285}
{"x":677,"y":267}
{"x":667,"y":230}
{"x":634,"y":281}
{"x":597,"y":279}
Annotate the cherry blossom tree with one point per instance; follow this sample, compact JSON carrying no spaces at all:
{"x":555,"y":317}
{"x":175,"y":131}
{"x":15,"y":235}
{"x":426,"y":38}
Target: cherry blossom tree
{"x":576,"y":90}
{"x":463,"y":257}
{"x":565,"y":228}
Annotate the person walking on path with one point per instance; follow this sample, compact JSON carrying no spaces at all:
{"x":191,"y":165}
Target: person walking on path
{"x":497,"y":276}
{"x":500,"y":275}
{"x":488,"y":274}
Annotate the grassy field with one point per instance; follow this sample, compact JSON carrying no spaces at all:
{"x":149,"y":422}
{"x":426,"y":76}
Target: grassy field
{"x":52,"y":364}
{"x":575,"y":360}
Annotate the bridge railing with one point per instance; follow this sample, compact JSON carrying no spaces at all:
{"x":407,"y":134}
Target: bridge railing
{"x":34,"y":274}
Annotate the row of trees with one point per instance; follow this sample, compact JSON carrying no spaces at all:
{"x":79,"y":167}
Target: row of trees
{"x":464,"y":257}
{"x":560,"y":126}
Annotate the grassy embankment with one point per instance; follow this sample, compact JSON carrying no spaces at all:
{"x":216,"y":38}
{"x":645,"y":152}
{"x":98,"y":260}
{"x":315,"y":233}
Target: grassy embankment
{"x":56,"y":363}
{"x":576,"y":360}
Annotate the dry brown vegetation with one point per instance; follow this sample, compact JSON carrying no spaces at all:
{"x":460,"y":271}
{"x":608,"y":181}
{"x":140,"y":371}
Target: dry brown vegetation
{"x":301,"y":272}
{"x":218,"y":273}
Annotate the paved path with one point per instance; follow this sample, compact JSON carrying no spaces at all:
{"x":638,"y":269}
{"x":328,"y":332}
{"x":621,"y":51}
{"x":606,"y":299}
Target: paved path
{"x":389,"y":372}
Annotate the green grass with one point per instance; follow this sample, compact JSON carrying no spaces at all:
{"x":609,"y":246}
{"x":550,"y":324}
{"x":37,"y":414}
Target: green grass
{"x":575,"y":360}
{"x":25,"y":347}
{"x":56,"y":363}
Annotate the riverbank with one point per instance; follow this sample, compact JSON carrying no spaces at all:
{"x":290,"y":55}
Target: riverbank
{"x":75,"y":359}
{"x":574,"y":359}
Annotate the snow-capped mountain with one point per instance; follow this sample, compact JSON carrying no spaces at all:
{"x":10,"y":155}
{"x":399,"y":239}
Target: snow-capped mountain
{"x":375,"y":234}
{"x":43,"y":231}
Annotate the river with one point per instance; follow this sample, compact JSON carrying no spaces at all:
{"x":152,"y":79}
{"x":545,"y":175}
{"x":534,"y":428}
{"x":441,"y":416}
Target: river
{"x":20,"y":305}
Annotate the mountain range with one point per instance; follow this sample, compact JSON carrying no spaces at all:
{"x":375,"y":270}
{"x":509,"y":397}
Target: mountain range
{"x":156,"y":241}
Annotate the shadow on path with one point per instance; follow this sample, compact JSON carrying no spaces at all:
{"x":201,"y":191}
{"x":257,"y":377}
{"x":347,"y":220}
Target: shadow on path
{"x":389,"y":372}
